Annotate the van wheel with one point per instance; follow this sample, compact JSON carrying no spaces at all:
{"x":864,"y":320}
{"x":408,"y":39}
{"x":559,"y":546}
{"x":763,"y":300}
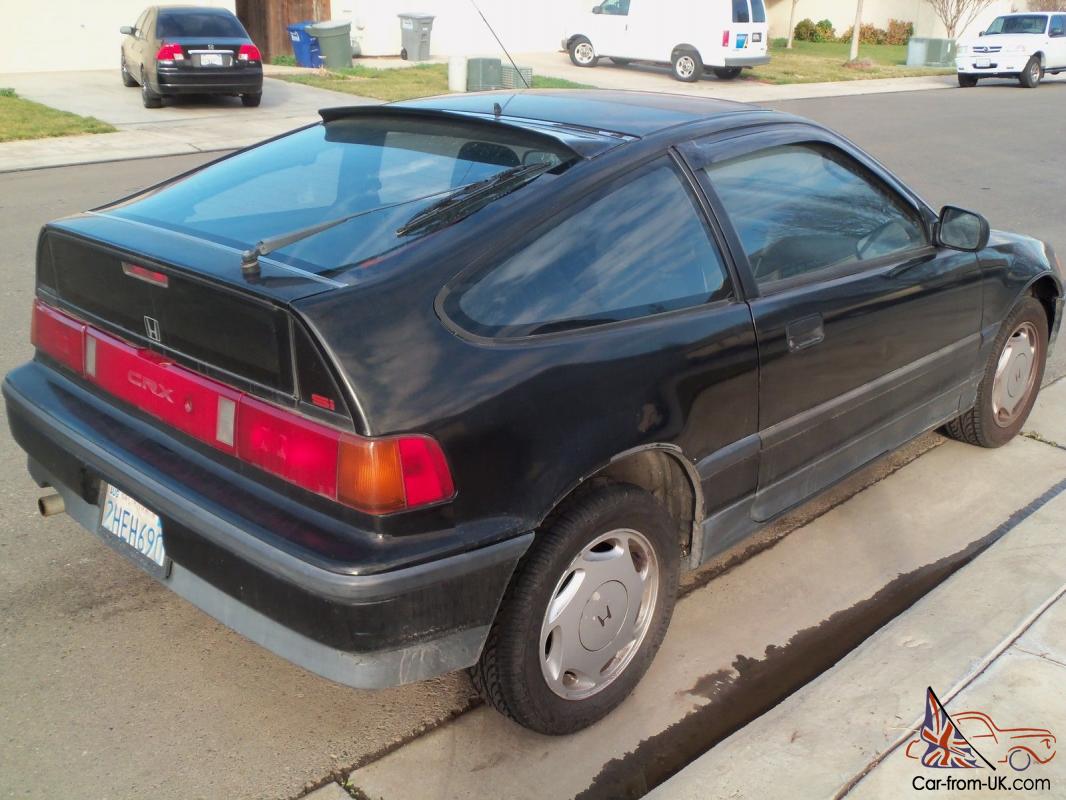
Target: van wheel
{"x":582,"y":54}
{"x":726,"y":73}
{"x":688,"y":66}
{"x":1011,"y":380}
{"x":585,"y":613}
{"x":1032,"y":74}
{"x":967,"y":81}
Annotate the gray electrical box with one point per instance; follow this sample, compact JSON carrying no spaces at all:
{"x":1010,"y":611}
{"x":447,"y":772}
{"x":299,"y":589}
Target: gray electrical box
{"x":415,"y":30}
{"x":513,"y":79}
{"x":483,"y":73}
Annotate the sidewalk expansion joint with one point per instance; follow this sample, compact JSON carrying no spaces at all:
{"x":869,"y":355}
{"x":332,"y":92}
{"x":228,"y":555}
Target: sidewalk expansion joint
{"x":1043,"y":656}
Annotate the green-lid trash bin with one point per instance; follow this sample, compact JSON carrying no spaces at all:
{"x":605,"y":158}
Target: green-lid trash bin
{"x":415,"y":30}
{"x":334,"y":42}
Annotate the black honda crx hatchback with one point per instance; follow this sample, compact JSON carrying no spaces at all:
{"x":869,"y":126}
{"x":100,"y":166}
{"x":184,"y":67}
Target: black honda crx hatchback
{"x":466,"y":382}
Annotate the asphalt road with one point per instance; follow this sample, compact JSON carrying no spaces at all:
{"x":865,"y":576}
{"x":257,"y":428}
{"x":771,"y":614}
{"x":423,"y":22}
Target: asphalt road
{"x":112,"y":687}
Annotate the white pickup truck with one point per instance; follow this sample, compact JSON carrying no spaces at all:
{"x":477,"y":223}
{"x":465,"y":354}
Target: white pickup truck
{"x":1022,"y":46}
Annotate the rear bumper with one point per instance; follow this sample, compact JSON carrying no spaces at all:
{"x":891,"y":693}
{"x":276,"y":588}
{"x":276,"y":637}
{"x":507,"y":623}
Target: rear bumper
{"x":237,"y":80}
{"x":746,"y":61}
{"x":363,"y":630}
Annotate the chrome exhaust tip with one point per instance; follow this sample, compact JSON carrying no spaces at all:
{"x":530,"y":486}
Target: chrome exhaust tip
{"x":50,"y":505}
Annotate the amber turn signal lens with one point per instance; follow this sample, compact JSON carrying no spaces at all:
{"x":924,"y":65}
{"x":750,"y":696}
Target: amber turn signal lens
{"x":370,"y":475}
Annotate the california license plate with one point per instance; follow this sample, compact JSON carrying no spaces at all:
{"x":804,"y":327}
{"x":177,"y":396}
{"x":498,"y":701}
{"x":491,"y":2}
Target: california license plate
{"x":211,"y":60}
{"x":137,"y":529}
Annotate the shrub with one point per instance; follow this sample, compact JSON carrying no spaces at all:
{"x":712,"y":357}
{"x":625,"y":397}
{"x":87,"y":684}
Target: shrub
{"x":870,"y":34}
{"x":807,"y":30}
{"x":899,"y":32}
{"x":826,"y":32}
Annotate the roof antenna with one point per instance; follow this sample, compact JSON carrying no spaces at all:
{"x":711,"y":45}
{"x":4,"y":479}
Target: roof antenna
{"x":497,"y":38}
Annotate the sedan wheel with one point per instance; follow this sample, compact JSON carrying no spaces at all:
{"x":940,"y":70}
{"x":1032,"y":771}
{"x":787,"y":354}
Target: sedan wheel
{"x":149,"y":98}
{"x":127,"y":79}
{"x":1015,"y":374}
{"x":585,"y":613}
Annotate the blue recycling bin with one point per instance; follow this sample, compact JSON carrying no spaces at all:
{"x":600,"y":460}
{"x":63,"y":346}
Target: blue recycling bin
{"x":304,"y":45}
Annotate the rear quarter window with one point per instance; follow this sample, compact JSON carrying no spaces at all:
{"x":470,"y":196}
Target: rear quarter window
{"x":638,"y":248}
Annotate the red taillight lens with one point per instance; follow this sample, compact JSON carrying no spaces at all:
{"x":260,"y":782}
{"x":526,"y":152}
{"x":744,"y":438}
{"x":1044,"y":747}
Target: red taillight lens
{"x":374,"y":475}
{"x":249,"y":52}
{"x":170,"y":52}
{"x":58,"y":335}
{"x":725,"y":38}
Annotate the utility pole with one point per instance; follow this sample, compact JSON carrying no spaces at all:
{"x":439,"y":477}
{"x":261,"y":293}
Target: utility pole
{"x":855,"y":32}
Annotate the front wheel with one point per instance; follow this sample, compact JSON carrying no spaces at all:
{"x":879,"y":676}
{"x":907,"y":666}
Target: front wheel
{"x":1032,"y":74}
{"x":726,"y":73}
{"x":687,"y":65}
{"x":582,"y":53}
{"x":967,"y":81}
{"x":1011,"y":380}
{"x":127,"y":79}
{"x":585,"y":613}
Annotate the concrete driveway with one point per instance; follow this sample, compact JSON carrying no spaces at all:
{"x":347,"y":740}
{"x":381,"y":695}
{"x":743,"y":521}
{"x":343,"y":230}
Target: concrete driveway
{"x":110,"y":686}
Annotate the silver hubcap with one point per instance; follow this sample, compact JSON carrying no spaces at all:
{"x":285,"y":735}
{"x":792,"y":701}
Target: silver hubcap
{"x":686,"y":66}
{"x":1015,"y":375}
{"x":584,"y":53}
{"x":598,"y":614}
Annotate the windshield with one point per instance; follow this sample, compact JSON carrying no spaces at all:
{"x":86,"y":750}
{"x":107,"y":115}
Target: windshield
{"x":1027,"y":23}
{"x":391,"y":168}
{"x":199,"y":24}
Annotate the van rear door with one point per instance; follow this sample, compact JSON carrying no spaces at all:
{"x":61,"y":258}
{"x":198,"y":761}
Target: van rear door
{"x":747,"y":33}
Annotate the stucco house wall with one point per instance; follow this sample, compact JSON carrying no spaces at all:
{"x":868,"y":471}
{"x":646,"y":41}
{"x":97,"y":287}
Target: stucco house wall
{"x":877,"y":12}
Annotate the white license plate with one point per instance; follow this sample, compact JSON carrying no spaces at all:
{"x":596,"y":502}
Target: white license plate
{"x":211,"y":60}
{"x":139,"y":527}
{"x":984,"y":62}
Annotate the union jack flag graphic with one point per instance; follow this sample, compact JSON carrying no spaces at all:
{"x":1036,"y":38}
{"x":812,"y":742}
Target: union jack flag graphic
{"x":946,"y":747}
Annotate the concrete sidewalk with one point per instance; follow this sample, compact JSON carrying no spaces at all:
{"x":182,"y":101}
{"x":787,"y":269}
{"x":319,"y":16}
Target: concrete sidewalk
{"x":992,"y":638}
{"x":184,"y":125}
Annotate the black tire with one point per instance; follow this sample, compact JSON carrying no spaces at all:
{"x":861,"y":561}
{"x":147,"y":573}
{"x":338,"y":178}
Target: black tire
{"x":726,"y":73}
{"x":1032,"y":74}
{"x":582,"y":53}
{"x":967,"y":81}
{"x":509,"y":674}
{"x":127,"y":79}
{"x":252,"y":100}
{"x":978,"y":426}
{"x":687,"y":65}
{"x":148,"y":96}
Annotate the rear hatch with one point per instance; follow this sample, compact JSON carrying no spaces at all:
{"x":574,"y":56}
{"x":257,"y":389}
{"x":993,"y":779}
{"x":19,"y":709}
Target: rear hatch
{"x":747,"y":34}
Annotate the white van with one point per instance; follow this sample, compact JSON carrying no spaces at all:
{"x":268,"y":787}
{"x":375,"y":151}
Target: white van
{"x":692,"y":35}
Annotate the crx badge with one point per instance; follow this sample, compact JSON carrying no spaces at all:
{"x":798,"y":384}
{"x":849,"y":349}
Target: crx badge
{"x":151,"y":327}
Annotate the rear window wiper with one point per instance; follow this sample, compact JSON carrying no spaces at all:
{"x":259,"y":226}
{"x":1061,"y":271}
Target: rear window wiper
{"x":465,"y":201}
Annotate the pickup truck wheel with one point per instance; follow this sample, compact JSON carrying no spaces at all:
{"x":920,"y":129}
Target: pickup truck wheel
{"x":1032,"y":74}
{"x":967,"y":81}
{"x":687,"y":64}
{"x":1011,"y":380}
{"x":726,"y":73}
{"x":585,"y":613}
{"x":582,"y":53}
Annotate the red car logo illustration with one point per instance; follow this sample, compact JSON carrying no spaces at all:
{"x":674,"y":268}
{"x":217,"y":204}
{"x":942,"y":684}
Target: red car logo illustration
{"x":1018,"y":747}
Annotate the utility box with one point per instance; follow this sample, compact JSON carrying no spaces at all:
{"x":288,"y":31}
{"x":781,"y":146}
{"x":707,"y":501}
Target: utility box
{"x":516,"y":77}
{"x":483,"y":73}
{"x":415,"y":30}
{"x":923,"y":52}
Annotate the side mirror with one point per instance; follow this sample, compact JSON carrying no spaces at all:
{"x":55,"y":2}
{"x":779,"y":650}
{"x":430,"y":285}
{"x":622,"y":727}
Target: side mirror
{"x":963,"y":230}
{"x":126,"y":29}
{"x":980,"y":33}
{"x":597,"y":9}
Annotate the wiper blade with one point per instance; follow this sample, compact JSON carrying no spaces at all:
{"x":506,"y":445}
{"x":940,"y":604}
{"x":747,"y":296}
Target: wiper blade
{"x":468,"y":199}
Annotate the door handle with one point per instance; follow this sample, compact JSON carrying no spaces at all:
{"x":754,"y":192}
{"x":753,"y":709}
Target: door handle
{"x":805,"y":332}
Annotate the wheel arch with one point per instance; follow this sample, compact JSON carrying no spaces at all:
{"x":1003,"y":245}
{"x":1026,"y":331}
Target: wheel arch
{"x":575,"y":36}
{"x":660,"y":469}
{"x":684,"y":47}
{"x":1047,"y":289}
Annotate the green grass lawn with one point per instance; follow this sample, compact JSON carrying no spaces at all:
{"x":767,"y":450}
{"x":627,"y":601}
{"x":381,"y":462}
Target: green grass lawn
{"x":398,"y":84}
{"x":24,"y":119}
{"x":814,"y":62}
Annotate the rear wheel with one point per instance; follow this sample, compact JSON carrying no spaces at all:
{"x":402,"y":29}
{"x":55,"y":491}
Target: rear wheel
{"x":582,"y":53}
{"x":967,"y":81}
{"x":1011,"y":380}
{"x":585,"y":612}
{"x":687,"y":65}
{"x":127,"y":79}
{"x":1032,"y":74}
{"x":252,"y":100}
{"x":149,"y":97}
{"x":726,"y":73}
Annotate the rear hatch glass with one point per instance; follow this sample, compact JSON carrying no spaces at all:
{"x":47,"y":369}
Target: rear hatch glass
{"x":198,"y":25}
{"x":390,"y":168}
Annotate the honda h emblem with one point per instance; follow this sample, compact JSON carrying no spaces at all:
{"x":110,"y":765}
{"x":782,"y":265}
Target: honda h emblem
{"x":151,"y":327}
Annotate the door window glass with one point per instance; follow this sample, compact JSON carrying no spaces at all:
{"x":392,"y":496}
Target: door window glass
{"x":741,"y":12}
{"x":803,"y":208}
{"x":1058,"y":25}
{"x":617,"y":8}
{"x":640,"y":247}
{"x":758,"y":11}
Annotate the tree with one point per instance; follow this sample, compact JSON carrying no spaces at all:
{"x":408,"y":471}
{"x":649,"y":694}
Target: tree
{"x":958,"y":15}
{"x":792,"y":24}
{"x":857,"y":31}
{"x":1047,"y":5}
